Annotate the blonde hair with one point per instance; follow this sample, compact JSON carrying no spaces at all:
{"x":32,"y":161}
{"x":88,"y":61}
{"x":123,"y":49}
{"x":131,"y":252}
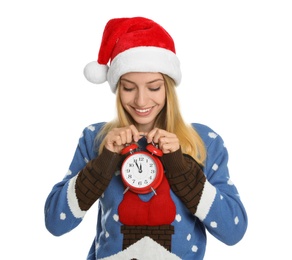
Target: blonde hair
{"x":169,"y":119}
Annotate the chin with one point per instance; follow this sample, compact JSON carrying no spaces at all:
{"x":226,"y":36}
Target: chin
{"x":144,"y":122}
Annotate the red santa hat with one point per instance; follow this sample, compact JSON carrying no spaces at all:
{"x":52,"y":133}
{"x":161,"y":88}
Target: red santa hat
{"x":133,"y":45}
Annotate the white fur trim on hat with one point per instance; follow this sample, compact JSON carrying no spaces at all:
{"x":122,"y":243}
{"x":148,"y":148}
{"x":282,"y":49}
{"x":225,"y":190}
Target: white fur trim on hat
{"x":95,"y":73}
{"x":144,"y":59}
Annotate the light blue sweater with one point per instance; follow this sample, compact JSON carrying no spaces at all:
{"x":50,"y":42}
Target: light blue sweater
{"x":220,"y":210}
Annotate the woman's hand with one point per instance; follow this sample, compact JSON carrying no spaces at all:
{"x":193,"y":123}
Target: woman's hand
{"x":167,"y":142}
{"x":117,"y":138}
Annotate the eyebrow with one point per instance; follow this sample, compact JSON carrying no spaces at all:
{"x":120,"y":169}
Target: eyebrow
{"x":152,"y":81}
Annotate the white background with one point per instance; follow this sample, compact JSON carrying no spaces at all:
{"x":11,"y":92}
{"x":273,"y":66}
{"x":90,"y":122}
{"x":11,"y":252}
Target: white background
{"x":236,"y":60}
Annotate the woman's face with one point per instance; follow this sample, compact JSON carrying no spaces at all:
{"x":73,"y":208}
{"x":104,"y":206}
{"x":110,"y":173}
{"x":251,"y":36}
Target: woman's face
{"x":143,"y":97}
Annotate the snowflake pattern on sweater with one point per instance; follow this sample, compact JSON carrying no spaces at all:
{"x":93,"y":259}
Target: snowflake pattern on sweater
{"x":220,"y":210}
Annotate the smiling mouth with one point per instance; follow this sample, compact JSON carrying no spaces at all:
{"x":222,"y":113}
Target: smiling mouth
{"x":143,"y":112}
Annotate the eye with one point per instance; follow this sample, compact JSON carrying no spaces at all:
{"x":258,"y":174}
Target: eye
{"x":127,"y":89}
{"x":155,"y":89}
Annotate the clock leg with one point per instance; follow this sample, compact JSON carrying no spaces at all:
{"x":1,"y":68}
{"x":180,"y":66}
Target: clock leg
{"x":126,"y":190}
{"x":153,"y":191}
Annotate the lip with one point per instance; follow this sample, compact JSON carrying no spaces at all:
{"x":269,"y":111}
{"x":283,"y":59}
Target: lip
{"x":143,"y":111}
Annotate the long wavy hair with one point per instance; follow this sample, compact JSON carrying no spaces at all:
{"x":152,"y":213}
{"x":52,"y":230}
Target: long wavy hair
{"x":169,"y":119}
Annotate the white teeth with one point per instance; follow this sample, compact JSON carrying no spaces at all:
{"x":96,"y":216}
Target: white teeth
{"x":143,"y":110}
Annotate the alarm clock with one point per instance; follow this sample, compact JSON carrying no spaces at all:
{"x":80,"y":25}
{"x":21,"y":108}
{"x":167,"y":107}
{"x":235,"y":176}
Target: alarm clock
{"x":142,"y":171}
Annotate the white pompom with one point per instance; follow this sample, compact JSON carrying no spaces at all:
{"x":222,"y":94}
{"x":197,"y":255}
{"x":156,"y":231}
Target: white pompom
{"x":95,"y":73}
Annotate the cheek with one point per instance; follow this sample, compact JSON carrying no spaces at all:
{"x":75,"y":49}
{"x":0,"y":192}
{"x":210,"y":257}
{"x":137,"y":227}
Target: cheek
{"x":161,"y":96}
{"x":126,"y":102}
{"x":161,"y":99}
{"x":124,"y":99}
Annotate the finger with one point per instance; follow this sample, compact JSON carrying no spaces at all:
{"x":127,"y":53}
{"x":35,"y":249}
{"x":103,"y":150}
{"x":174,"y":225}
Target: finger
{"x":122,"y":136}
{"x":117,"y":140}
{"x":161,"y":135}
{"x":128,"y":136}
{"x":169,"y":145}
{"x":166,"y":148}
{"x":153,"y":135}
{"x":112,"y":142}
{"x":168,"y":139}
{"x":135,"y":135}
{"x":125,"y":134}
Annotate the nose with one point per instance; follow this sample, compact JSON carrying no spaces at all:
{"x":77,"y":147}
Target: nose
{"x":141,"y":97}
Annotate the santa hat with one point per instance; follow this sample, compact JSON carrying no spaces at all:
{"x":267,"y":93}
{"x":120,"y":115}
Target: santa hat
{"x":133,"y":45}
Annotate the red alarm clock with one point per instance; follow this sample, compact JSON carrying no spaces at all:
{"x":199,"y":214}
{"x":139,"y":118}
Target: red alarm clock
{"x":142,"y":171}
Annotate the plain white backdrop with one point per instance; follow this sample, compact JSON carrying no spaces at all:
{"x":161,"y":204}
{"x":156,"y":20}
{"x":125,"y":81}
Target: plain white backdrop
{"x":236,"y":59}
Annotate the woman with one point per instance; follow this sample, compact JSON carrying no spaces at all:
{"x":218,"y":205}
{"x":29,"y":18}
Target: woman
{"x":194,"y":193}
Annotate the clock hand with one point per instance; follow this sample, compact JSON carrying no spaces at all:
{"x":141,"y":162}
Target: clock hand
{"x":139,"y":167}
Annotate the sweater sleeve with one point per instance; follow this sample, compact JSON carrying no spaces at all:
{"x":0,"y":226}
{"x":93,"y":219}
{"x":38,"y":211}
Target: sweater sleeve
{"x":220,"y":208}
{"x":94,"y":178}
{"x":62,"y":212}
{"x":213,"y":199}
{"x":185,"y":177}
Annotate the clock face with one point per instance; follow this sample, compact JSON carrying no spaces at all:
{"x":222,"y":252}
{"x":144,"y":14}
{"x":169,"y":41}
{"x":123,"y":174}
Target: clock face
{"x":139,"y":170}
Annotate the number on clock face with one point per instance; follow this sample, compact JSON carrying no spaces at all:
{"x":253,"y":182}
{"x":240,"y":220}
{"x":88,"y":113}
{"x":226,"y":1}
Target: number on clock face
{"x":139,"y":170}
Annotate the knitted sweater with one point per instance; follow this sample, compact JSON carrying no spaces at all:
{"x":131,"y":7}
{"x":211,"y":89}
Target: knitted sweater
{"x":195,"y":200}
